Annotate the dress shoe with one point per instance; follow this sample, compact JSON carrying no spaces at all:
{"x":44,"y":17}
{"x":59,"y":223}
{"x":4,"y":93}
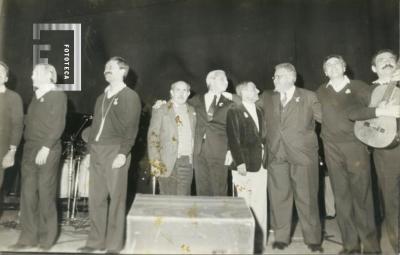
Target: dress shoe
{"x":329,"y":217}
{"x":279,"y":245}
{"x":20,"y":246}
{"x":315,"y":248}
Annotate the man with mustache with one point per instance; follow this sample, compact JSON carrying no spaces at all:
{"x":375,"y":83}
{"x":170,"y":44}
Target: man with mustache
{"x":111,"y":137}
{"x":11,"y":125}
{"x":387,"y":159}
{"x":170,"y":142}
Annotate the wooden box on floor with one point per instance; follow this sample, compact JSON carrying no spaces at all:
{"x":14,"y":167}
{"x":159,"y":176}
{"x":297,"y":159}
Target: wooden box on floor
{"x":188,"y":225}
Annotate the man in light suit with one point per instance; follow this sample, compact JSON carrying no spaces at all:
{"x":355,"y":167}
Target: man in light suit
{"x":170,"y":142}
{"x":210,"y":142}
{"x":293,"y":174}
{"x":246,"y":139}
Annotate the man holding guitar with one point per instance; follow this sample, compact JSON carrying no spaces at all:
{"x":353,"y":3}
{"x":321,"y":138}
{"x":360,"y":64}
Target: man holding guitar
{"x":343,"y":101}
{"x":386,"y":159}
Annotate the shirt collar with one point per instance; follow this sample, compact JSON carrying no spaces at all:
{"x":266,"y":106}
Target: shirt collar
{"x":345,"y":81}
{"x":44,"y":89}
{"x":112,"y":91}
{"x":2,"y":88}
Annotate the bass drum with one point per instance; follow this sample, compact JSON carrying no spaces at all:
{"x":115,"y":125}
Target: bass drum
{"x":83,"y":184}
{"x":65,"y":178}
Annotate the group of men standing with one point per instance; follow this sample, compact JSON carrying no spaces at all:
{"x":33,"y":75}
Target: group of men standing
{"x":211,"y":133}
{"x":277,"y":132}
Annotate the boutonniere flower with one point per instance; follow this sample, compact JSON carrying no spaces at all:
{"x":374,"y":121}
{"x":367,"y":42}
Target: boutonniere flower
{"x":116,"y":101}
{"x":41,"y":100}
{"x":246,"y":115}
{"x":297,"y":99}
{"x":158,"y":104}
{"x":348,"y":91}
{"x":221,"y":104}
{"x":174,"y":139}
{"x":178,"y":120}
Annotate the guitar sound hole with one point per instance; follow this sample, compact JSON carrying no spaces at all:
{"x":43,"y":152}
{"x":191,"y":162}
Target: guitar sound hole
{"x":367,"y":124}
{"x":382,"y":130}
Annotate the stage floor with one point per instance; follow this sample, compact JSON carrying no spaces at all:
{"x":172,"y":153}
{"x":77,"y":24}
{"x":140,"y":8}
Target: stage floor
{"x":73,"y":235}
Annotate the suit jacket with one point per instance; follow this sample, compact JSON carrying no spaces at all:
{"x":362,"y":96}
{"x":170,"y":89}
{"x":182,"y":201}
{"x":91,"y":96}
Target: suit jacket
{"x":163,"y":136}
{"x":293,"y":128}
{"x":245,"y":141}
{"x":216,"y":142}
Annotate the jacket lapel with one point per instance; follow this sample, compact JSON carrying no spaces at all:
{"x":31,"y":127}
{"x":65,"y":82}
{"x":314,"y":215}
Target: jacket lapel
{"x":276,"y":101}
{"x":192,"y":117}
{"x":251,"y":120}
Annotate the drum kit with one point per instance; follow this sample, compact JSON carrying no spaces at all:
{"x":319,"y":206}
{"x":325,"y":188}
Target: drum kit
{"x":74,"y":182}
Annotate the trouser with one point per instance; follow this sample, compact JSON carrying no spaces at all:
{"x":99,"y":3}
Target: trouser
{"x":211,"y":174}
{"x":329,"y":200}
{"x":349,"y":170}
{"x":253,"y":188}
{"x":3,"y":151}
{"x":292,"y":182}
{"x":180,"y":180}
{"x":389,"y":182}
{"x":107,"y":220}
{"x":38,"y":197}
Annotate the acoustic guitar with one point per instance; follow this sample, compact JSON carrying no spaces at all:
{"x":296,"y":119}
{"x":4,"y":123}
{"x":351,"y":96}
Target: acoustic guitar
{"x":380,"y":132}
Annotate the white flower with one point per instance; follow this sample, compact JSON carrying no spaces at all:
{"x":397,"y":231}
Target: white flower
{"x":246,"y":115}
{"x":41,"y":100}
{"x":194,"y":113}
{"x":348,"y":91}
{"x":297,"y":99}
{"x":158,"y":104}
{"x":221,"y":104}
{"x":116,"y":101}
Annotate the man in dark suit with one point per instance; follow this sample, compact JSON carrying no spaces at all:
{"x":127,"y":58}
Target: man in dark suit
{"x":290,"y":114}
{"x":245,"y":128}
{"x":210,"y":143}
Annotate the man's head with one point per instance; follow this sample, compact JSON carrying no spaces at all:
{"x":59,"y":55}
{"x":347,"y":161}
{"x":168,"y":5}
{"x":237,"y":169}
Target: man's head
{"x":384,"y":63}
{"x":284,"y":77}
{"x":116,"y":69}
{"x":334,"y":66}
{"x":3,"y":73}
{"x":216,"y":81}
{"x":180,"y":92}
{"x":43,"y":74}
{"x":247,"y":91}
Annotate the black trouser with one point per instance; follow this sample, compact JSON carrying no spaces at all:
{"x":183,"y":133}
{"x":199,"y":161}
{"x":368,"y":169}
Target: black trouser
{"x":388,"y":171}
{"x":288,"y":183}
{"x":180,"y":180}
{"x":38,"y":197}
{"x":350,"y":173}
{"x":107,"y":221}
{"x":211,"y":174}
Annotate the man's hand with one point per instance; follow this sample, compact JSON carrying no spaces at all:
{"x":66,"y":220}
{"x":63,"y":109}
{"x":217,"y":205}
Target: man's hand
{"x":8,"y":160}
{"x":119,"y":161}
{"x":242,"y":169}
{"x":158,"y":104}
{"x":41,"y":156}
{"x":388,"y":111}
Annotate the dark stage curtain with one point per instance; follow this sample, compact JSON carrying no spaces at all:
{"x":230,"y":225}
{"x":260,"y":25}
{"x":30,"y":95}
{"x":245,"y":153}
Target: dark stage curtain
{"x":169,"y":40}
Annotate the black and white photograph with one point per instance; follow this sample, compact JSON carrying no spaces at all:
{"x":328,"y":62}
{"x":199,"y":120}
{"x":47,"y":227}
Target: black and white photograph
{"x":199,"y":127}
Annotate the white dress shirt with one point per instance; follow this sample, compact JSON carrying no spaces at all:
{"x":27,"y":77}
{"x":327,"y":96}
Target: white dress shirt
{"x":251,"y":108}
{"x":112,"y":91}
{"x":2,"y":88}
{"x":289,"y":94}
{"x":44,"y":89}
{"x":209,"y":97}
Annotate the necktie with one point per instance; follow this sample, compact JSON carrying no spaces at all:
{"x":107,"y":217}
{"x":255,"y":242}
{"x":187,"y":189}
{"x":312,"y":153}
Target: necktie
{"x":283,"y":99}
{"x":211,"y":109}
